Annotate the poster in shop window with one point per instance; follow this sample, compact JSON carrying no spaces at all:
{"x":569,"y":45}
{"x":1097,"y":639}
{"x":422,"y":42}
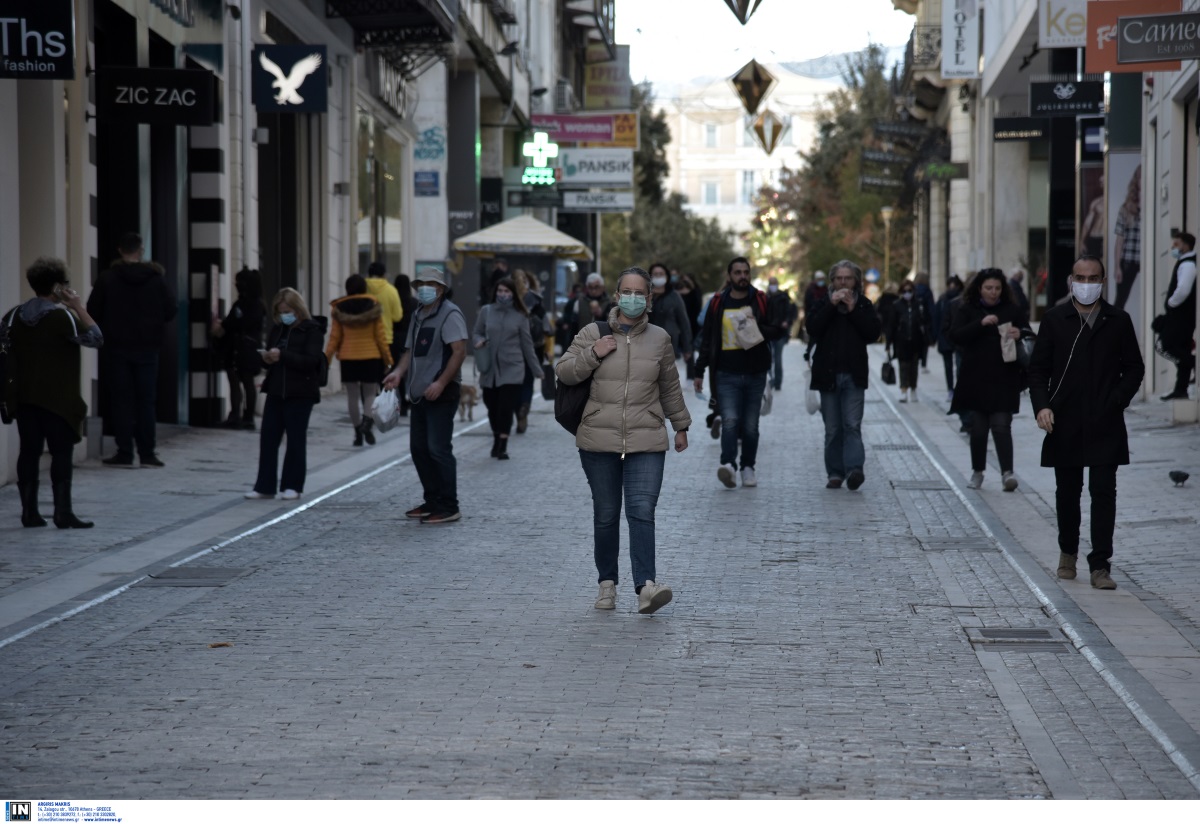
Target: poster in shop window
{"x":1124,"y":234}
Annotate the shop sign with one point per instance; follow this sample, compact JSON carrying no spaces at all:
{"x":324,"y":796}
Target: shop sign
{"x":1016,"y":129}
{"x":960,"y":39}
{"x":597,"y":167}
{"x":37,"y":40}
{"x":388,"y":84}
{"x":426,"y":184}
{"x":938,"y":170}
{"x":1153,"y":37}
{"x":606,"y":84}
{"x":171,"y":97}
{"x":289,"y":78}
{"x":1102,"y":21}
{"x":535,"y":199}
{"x":1062,"y":24}
{"x":1066,"y":98}
{"x":597,"y":201}
{"x":610,"y":130}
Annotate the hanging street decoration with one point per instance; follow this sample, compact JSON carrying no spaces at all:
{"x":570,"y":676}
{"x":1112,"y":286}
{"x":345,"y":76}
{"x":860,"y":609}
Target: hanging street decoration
{"x":752,"y":83}
{"x":743,"y":9}
{"x":769,"y":129}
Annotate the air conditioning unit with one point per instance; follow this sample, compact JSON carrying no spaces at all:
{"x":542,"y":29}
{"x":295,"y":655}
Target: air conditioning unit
{"x":565,"y":101}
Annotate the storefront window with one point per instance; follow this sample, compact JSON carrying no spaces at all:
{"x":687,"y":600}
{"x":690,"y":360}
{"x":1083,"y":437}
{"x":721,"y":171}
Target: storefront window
{"x":380,"y":175}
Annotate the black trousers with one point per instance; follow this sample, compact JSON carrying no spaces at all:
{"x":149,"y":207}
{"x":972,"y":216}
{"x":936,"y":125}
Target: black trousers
{"x":133,"y":394}
{"x":38,"y":427}
{"x":1129,"y":273}
{"x":908,"y":372}
{"x":1185,"y":361}
{"x":948,"y":363}
{"x":502,"y":402}
{"x":1000,"y":425}
{"x":241,"y":389}
{"x":1102,"y":486}
{"x":283,"y":417}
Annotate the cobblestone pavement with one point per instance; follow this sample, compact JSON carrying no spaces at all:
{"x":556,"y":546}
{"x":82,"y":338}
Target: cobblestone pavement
{"x":821,"y":643}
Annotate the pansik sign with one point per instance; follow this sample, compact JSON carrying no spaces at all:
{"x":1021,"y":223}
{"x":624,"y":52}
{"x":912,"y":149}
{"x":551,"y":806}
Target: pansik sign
{"x":597,"y":201}
{"x":1066,"y":98}
{"x":960,"y":39}
{"x":1153,"y":37}
{"x":37,"y":39}
{"x":1102,"y":19}
{"x":597,"y":167}
{"x":172,"y":97}
{"x":1062,"y":24}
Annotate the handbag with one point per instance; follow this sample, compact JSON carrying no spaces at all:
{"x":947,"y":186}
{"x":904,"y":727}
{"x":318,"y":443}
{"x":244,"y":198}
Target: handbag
{"x":1025,"y":349}
{"x":888,"y":373}
{"x":812,"y":398}
{"x":569,"y":401}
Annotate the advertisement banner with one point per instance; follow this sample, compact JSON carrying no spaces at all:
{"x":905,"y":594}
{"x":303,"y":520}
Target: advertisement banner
{"x":37,"y":40}
{"x":960,"y":39}
{"x":596,"y":167}
{"x":1124,"y":234}
{"x":595,"y":130}
{"x":1062,"y":24}
{"x":1101,"y":49}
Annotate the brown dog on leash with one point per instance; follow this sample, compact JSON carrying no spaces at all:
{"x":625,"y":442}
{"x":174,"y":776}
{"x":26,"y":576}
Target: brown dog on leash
{"x":466,"y":402}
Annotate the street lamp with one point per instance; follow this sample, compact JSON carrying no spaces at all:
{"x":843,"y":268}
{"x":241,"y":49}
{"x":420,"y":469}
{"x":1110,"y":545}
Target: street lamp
{"x":886,"y":213}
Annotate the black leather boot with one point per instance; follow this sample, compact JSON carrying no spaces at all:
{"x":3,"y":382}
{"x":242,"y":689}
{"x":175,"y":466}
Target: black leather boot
{"x":367,"y":423}
{"x":495,"y":445}
{"x":358,"y":436}
{"x":502,"y":448}
{"x":29,"y":505}
{"x":64,"y":518}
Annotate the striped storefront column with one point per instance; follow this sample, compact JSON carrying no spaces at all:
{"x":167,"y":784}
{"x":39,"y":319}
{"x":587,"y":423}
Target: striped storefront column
{"x":208,"y":238}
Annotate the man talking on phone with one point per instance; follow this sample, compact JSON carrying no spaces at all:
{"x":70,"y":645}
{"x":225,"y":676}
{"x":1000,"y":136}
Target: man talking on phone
{"x":1085,"y":369}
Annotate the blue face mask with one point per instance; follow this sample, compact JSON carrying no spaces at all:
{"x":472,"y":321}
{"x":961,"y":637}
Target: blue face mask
{"x":426,"y":295}
{"x":632,"y":306}
{"x":287,"y":318}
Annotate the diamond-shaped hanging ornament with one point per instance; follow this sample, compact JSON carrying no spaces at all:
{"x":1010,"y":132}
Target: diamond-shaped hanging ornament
{"x":769,"y":129}
{"x":743,"y":9}
{"x":752,"y":83}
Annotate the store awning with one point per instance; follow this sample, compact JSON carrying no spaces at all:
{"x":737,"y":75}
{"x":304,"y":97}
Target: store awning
{"x":521,"y":236}
{"x":397,"y":23}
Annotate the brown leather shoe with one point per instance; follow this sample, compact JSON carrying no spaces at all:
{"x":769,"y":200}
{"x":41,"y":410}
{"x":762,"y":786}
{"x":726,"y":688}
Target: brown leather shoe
{"x":1102,"y":580}
{"x":1066,"y":566}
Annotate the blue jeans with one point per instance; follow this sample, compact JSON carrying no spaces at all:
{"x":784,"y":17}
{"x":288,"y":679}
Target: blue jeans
{"x":430,"y":440}
{"x":281,"y":417}
{"x":777,"y":362}
{"x":133,"y":398}
{"x":639,"y":477}
{"x":842,"y":410}
{"x":739,"y":398}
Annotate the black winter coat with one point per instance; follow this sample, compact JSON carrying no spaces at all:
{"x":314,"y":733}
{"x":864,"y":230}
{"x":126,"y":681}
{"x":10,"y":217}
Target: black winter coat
{"x":243,"y":336}
{"x":1089,"y":397}
{"x":985,"y":383}
{"x":297,"y":373}
{"x":841,"y":337}
{"x":1181,"y":319}
{"x":132,"y":303}
{"x":908,"y":329}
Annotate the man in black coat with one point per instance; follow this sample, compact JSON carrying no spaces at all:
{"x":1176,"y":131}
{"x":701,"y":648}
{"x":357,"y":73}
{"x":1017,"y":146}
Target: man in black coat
{"x":133,"y":304}
{"x":841,"y":326}
{"x":1086,"y":368}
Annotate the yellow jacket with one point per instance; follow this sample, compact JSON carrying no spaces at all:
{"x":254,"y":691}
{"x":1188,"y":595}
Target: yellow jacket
{"x":358,"y":330}
{"x":389,"y":300}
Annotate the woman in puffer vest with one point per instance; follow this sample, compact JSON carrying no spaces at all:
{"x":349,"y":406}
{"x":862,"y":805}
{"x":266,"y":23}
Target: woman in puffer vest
{"x":623,"y":439}
{"x":359,"y":341}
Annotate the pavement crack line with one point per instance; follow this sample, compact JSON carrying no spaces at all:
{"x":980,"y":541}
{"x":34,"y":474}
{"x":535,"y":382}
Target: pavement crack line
{"x":278,"y":519}
{"x":1104,"y":670}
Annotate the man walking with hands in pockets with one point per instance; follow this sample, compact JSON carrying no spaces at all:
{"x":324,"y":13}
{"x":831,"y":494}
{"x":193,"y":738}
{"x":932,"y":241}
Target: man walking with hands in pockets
{"x":1086,"y":368}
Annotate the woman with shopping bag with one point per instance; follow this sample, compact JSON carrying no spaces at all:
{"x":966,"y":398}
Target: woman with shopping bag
{"x":987,"y":325}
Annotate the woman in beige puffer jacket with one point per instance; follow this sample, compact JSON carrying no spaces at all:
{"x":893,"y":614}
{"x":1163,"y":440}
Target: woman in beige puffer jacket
{"x":622,"y":439}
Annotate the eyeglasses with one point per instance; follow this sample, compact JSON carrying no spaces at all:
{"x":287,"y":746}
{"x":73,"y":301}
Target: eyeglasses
{"x":630,"y":293}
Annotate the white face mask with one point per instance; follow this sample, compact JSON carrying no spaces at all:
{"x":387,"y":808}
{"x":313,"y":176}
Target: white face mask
{"x":658,"y":282}
{"x":772,"y":288}
{"x":1086,"y":293}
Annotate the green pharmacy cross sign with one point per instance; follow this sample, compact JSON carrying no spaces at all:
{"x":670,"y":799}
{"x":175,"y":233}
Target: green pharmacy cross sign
{"x":539,"y":150}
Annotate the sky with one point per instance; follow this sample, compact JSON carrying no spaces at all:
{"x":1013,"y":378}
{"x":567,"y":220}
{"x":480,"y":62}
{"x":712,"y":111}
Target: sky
{"x":676,"y":41}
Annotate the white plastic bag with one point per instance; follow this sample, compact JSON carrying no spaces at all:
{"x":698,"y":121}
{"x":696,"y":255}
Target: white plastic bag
{"x":768,"y":400}
{"x":812,"y":398}
{"x":386,"y":410}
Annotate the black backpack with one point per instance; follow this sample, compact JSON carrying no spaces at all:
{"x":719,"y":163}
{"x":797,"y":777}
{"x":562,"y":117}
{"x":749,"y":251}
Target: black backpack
{"x":6,"y":373}
{"x":569,"y":401}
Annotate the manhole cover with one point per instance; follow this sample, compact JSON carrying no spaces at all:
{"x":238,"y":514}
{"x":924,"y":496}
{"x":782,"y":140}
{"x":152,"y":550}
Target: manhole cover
{"x":189,"y":576}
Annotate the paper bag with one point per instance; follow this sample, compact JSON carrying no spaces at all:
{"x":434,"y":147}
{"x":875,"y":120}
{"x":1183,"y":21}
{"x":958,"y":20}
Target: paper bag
{"x":1008,"y":346}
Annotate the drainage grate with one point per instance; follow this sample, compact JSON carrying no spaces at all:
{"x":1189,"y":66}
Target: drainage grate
{"x":973,"y":544}
{"x":1018,"y":639}
{"x":1017,"y":633}
{"x":895,"y":447}
{"x":1054,"y":648}
{"x":195,"y":576}
{"x":927,"y":486}
{"x":1157,"y":522}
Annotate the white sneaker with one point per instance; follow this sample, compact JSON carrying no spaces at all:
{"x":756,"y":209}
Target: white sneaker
{"x":748,"y":478}
{"x":976,"y":480}
{"x":727,"y":473}
{"x":903,"y":396}
{"x":914,"y":394}
{"x":289,"y":494}
{"x":256,"y":496}
{"x":608,"y":595}
{"x":653,"y":598}
{"x":1010,"y":482}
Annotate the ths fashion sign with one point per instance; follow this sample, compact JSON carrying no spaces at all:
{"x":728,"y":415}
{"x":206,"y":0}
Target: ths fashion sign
{"x":290,"y":78}
{"x":37,"y":40}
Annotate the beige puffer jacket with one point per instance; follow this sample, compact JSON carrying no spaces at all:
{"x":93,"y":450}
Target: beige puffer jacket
{"x":634,"y":389}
